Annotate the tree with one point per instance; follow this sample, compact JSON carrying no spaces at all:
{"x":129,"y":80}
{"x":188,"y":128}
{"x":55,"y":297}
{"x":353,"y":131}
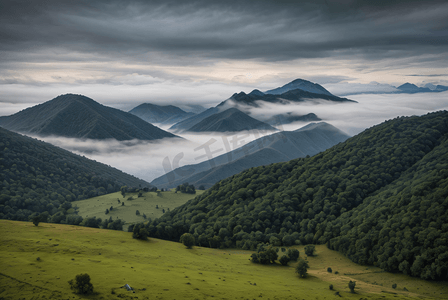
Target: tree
{"x":284,"y":260}
{"x":351,"y":286}
{"x":302,"y":268}
{"x":35,"y":220}
{"x":293,"y":254}
{"x":137,"y":212}
{"x":188,"y":240}
{"x":140,"y":232}
{"x":81,"y":284}
{"x":107,"y":211}
{"x":123,"y":191}
{"x":309,"y":250}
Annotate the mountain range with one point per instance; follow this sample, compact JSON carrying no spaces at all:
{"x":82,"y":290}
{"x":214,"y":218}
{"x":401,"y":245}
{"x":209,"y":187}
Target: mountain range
{"x":278,"y":147}
{"x":77,"y":116}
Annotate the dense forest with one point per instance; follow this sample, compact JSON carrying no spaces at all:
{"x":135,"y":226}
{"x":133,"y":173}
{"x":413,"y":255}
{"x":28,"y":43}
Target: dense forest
{"x":38,"y":178}
{"x":380,"y":198}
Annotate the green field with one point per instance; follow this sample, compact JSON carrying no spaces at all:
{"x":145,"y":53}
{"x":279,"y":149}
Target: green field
{"x":96,"y":207}
{"x":38,"y":261}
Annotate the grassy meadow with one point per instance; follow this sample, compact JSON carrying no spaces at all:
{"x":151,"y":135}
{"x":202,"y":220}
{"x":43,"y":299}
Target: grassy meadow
{"x":146,"y":204}
{"x":37,"y":263}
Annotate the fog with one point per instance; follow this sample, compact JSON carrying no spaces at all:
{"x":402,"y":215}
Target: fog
{"x":149,"y":160}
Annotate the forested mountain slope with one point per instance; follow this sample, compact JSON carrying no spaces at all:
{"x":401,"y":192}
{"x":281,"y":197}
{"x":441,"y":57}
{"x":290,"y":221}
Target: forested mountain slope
{"x":78,"y":116}
{"x":39,"y":177}
{"x":300,"y":201}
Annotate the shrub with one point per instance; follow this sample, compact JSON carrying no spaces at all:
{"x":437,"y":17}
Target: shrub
{"x":394,"y":286}
{"x":81,"y":284}
{"x":329,"y":270}
{"x":331,"y":287}
{"x":351,"y":286}
{"x":188,"y":240}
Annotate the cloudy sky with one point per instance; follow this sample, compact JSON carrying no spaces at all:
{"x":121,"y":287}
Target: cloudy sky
{"x":121,"y":53}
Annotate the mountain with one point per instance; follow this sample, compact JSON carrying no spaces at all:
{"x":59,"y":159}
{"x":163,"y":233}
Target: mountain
{"x":190,"y":122}
{"x":38,"y":177}
{"x":288,"y":118}
{"x":296,"y":95}
{"x":78,"y":116}
{"x":380,"y":197}
{"x":278,"y":147}
{"x":412,"y":88}
{"x":230,"y":120}
{"x":300,"y":84}
{"x":152,"y":113}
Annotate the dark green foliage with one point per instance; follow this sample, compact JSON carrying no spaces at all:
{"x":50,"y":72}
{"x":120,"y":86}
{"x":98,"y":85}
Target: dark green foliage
{"x":302,"y":268}
{"x":394,"y":286}
{"x":122,"y":203}
{"x":293,"y":254}
{"x":201,"y":188}
{"x":137,"y":212}
{"x":188,"y":240}
{"x":379,"y":198}
{"x":107,"y":211}
{"x":35,"y":220}
{"x":331,"y":287}
{"x":266,"y":254}
{"x":140,"y":232}
{"x":309,"y":250}
{"x":38,"y":178}
{"x":284,"y":260}
{"x":144,"y":216}
{"x":351,"y":286}
{"x":81,"y":284}
{"x":186,"y":188}
{"x":111,"y":208}
{"x":329,"y":270}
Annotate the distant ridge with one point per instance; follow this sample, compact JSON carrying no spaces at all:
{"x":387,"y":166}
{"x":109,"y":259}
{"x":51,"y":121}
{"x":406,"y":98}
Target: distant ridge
{"x":168,"y":114}
{"x":278,"y":147}
{"x":78,"y":116}
{"x":230,"y":120}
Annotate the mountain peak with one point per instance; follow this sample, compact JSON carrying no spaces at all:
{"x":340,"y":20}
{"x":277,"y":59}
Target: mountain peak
{"x":301,"y":84}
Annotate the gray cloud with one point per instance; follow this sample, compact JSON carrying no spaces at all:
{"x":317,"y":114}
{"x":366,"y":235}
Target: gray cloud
{"x":186,"y":33}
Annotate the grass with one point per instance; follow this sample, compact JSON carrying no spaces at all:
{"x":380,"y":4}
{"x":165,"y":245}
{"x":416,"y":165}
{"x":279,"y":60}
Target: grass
{"x":96,"y":207}
{"x":37,"y":263}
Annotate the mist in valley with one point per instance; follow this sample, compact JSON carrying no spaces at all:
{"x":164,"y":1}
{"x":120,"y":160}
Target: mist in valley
{"x":150,"y":159}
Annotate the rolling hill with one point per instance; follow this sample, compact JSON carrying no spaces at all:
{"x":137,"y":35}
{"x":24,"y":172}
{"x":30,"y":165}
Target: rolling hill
{"x":379,"y":197}
{"x":37,"y":263}
{"x":230,"y":120}
{"x":167,"y":114}
{"x":278,"y":147}
{"x":192,"y":121}
{"x":78,"y":116}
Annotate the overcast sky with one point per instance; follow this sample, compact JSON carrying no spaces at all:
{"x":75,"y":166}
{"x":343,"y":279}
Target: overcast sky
{"x":122,"y":53}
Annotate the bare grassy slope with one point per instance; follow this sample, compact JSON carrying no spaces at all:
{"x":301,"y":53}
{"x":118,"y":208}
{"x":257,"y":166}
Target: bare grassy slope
{"x":96,"y":207}
{"x":165,"y":270}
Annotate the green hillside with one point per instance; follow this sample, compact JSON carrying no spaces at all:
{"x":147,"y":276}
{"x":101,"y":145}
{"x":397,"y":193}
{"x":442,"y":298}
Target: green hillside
{"x":303,"y":201}
{"x":39,"y":178}
{"x":38,"y":262}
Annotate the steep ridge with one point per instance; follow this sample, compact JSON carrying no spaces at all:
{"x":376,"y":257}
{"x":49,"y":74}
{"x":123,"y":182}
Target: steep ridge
{"x":78,"y":116}
{"x":304,"y":200}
